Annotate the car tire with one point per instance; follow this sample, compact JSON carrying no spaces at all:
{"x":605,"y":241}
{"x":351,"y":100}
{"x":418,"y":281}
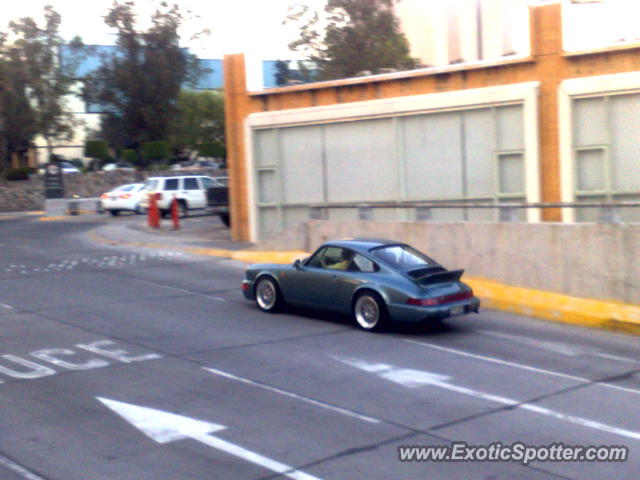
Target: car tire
{"x":114,"y":213}
{"x":267,"y":294}
{"x":370,"y":312}
{"x":165,"y":213}
{"x":225,"y":219}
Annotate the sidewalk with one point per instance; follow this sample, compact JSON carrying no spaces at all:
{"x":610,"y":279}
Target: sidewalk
{"x":199,"y":235}
{"x":206,"y":235}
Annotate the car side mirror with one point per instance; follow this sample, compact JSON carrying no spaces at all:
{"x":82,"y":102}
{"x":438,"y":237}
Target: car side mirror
{"x":297,"y":264}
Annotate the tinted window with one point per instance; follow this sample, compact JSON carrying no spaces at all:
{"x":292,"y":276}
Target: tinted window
{"x":402,"y":256}
{"x":191,"y":184}
{"x":171,"y":184}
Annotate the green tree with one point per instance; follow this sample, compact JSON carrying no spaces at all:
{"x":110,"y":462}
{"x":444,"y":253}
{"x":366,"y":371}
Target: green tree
{"x":156,"y":150}
{"x":352,"y":36}
{"x":17,"y":123}
{"x":199,"y":119}
{"x":48,"y":81}
{"x":96,"y":149}
{"x":137,"y":87}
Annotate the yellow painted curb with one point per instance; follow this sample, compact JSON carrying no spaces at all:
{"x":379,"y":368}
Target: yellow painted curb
{"x":556,"y":307}
{"x":608,"y":315}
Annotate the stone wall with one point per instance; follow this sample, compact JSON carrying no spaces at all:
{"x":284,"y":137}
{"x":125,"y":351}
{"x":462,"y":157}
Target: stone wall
{"x":28,"y":195}
{"x":599,"y":261}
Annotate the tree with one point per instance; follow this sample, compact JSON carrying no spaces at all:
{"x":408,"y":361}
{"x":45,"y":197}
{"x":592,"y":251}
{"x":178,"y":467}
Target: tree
{"x":157,"y":150}
{"x":353,"y":36}
{"x":137,"y":87}
{"x":199,"y":119}
{"x":47,"y":81}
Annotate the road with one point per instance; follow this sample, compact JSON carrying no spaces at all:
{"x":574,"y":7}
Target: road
{"x":128,"y":363}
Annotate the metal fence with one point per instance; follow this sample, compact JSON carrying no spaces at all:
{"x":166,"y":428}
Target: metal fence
{"x":608,"y":212}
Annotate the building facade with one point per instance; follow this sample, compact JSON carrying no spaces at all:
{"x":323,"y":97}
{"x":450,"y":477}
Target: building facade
{"x":554,"y":125}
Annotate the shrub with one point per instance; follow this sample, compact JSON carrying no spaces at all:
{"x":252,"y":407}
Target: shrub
{"x":17,"y":174}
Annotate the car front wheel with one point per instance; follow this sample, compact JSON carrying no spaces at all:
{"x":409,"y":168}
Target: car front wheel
{"x":267,"y":295}
{"x":370,"y":312}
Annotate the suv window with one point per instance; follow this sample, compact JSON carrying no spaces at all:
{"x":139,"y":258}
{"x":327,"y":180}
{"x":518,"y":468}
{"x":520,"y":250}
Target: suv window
{"x":191,"y":184}
{"x":171,"y":184}
{"x":207,"y":182}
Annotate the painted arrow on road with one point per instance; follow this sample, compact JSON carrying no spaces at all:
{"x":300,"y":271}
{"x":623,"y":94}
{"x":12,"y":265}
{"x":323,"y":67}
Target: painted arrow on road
{"x":411,"y":378}
{"x":164,"y":427}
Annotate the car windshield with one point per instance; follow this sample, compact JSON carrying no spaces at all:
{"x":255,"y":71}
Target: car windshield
{"x":402,"y":257}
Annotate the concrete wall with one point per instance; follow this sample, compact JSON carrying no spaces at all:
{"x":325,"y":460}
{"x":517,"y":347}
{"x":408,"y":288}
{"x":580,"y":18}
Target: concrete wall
{"x":29,"y":195}
{"x":600,"y":261}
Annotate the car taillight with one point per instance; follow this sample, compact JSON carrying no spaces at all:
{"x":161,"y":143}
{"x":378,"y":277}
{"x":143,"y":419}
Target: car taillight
{"x":430,"y":302}
{"x":245,"y":286}
{"x":104,"y":196}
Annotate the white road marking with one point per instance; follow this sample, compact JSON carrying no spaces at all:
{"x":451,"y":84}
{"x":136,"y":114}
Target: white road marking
{"x":166,"y":427}
{"x":23,"y":472}
{"x":559,"y":347}
{"x":397,"y":375}
{"x":317,"y":403}
{"x":523,"y":367}
{"x":8,"y":307}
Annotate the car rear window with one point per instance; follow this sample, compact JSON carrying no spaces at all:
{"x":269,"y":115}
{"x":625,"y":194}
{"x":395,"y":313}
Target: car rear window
{"x":402,"y":257}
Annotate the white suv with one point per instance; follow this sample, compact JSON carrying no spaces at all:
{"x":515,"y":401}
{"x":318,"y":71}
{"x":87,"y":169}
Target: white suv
{"x":190,"y":190}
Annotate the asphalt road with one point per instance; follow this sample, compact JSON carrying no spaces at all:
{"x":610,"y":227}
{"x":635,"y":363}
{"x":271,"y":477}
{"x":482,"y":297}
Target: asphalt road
{"x":123,"y":363}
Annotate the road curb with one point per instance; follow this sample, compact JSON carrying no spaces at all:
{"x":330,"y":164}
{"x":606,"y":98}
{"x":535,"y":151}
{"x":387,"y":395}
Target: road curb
{"x":555,"y":307}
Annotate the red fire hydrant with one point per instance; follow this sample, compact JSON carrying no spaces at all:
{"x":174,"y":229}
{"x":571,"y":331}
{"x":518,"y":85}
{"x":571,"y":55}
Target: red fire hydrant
{"x":175,"y":216}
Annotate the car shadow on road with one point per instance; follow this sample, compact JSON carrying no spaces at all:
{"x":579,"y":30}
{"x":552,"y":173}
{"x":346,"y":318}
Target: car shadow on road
{"x":429,"y":328}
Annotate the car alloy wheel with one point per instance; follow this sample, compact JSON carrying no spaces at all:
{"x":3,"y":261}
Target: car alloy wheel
{"x":267,"y":295}
{"x":368,"y":311}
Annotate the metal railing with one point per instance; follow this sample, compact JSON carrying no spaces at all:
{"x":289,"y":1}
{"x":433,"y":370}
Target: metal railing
{"x":609,"y":212}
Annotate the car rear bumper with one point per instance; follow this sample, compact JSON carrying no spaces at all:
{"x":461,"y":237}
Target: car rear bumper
{"x":247,"y":289}
{"x":410,"y":313}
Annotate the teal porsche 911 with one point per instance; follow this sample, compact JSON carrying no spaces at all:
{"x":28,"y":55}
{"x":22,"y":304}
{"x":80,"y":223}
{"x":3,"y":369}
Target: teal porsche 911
{"x":375,"y":281}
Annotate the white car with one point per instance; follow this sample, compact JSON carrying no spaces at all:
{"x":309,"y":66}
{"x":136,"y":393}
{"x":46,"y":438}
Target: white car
{"x":124,"y":197}
{"x":123,"y":167}
{"x":189,"y":190}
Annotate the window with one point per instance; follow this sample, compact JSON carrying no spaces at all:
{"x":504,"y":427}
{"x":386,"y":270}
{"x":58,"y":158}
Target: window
{"x":363,"y":264}
{"x":402,"y":257}
{"x":191,"y":184}
{"x":510,"y":173}
{"x":151,"y":185}
{"x":314,"y":261}
{"x":171,"y":184}
{"x":207,"y":182}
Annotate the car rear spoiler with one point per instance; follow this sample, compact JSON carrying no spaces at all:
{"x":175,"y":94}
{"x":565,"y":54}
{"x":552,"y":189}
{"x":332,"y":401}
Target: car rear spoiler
{"x":440,"y":277}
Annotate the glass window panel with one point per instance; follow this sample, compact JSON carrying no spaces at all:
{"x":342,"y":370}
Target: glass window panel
{"x":590,"y":170}
{"x":589,"y":122}
{"x":510,"y":129}
{"x":191,"y":184}
{"x":625,"y":143}
{"x":267,"y":186}
{"x":265,"y":148}
{"x":510,"y":173}
{"x":171,"y":184}
{"x":301,"y":164}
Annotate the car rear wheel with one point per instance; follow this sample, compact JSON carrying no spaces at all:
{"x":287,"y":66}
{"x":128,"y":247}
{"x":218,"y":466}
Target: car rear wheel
{"x":370,"y":312}
{"x":267,"y":295}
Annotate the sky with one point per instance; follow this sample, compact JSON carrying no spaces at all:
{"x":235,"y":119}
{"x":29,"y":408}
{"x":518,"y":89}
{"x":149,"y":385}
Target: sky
{"x":250,"y":26}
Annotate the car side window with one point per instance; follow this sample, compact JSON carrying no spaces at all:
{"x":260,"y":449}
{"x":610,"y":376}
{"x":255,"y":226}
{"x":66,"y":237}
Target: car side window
{"x":191,"y":184}
{"x":207,"y":182}
{"x":171,"y":184}
{"x":336,"y":258}
{"x":363,"y":264}
{"x":314,"y":261}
